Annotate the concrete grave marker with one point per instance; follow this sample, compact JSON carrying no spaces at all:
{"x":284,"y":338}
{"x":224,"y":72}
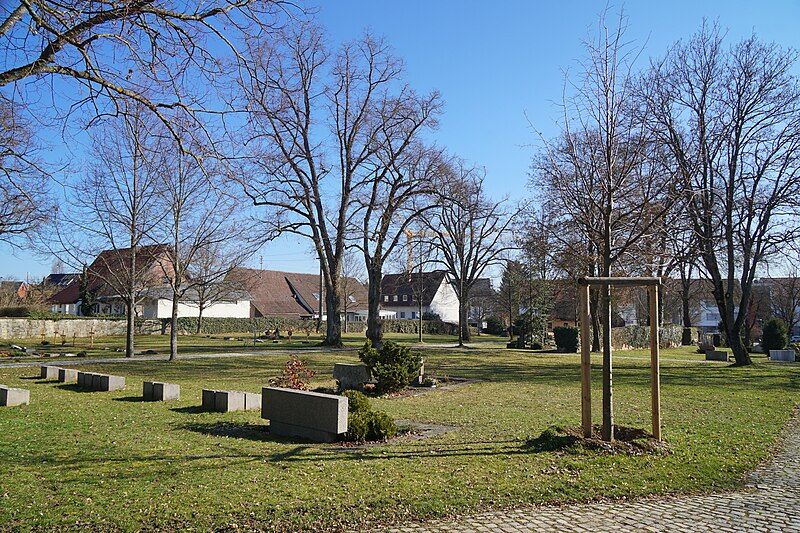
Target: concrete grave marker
{"x":159,"y":392}
{"x":48,"y":372}
{"x":309,"y":415}
{"x":67,"y":375}
{"x":11,"y":397}
{"x":351,"y":376}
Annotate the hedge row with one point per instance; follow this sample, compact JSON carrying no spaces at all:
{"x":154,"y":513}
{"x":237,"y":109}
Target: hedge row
{"x":188,"y":325}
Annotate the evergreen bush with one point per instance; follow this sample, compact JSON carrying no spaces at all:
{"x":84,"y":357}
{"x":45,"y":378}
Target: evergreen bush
{"x":566,"y":338}
{"x":365,"y":424}
{"x":775,"y":335}
{"x":393,"y":367}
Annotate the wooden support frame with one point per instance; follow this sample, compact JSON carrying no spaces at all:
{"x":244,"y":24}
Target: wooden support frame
{"x":652,"y":285}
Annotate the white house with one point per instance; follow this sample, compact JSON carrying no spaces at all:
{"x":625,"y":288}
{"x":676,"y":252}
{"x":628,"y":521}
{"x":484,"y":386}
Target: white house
{"x":156,"y":302}
{"x":408,"y":295}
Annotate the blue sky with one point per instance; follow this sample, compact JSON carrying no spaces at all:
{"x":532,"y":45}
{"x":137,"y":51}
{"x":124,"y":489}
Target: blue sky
{"x":496,"y":63}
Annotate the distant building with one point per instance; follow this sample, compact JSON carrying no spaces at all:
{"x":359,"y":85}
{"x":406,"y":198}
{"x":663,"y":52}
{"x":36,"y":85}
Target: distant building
{"x":408,"y":295}
{"x":295,"y":295}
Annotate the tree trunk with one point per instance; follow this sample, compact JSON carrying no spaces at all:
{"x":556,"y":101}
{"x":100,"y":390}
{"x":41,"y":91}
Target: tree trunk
{"x":129,"y":328}
{"x":594,"y":308}
{"x":463,"y":322}
{"x":200,"y":318}
{"x":374,"y":325}
{"x":333,"y":304}
{"x":608,"y":391}
{"x":173,"y":322}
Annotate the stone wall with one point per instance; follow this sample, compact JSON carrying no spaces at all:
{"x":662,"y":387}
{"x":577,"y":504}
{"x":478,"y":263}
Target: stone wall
{"x":29,"y":328}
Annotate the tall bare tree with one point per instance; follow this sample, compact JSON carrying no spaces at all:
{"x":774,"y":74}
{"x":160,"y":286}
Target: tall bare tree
{"x":319,"y":119}
{"x":392,"y":197}
{"x":731,"y":119}
{"x":471,"y":233}
{"x":115,"y":208}
{"x":604,"y":174}
{"x":198,"y":217}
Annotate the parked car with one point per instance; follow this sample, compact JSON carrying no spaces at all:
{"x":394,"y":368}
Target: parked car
{"x":794,"y":338}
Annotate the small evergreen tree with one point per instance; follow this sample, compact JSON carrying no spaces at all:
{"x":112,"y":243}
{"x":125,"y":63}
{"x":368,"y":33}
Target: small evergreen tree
{"x":775,"y":336}
{"x":87,"y":297}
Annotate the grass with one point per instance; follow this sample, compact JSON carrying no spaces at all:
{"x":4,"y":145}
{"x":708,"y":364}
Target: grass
{"x":76,"y":459}
{"x":111,"y":347}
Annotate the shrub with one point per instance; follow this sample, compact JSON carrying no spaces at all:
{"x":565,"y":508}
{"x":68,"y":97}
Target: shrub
{"x":365,"y":424}
{"x":775,"y":335}
{"x":566,"y":338}
{"x":494,"y":326}
{"x":295,"y":375}
{"x":356,"y":401}
{"x":536,"y":345}
{"x":393,"y":367}
{"x":381,"y":426}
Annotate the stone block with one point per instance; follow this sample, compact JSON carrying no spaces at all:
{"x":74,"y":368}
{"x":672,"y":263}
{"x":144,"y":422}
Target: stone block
{"x":209,"y":400}
{"x":107,"y":383}
{"x":252,"y":401}
{"x":10,"y":397}
{"x":86,"y":380}
{"x":716,"y":355}
{"x":159,"y":392}
{"x":48,"y":372}
{"x":67,"y":375}
{"x":351,"y":376}
{"x":310,"y":415}
{"x":229,"y":400}
{"x":781,"y":355}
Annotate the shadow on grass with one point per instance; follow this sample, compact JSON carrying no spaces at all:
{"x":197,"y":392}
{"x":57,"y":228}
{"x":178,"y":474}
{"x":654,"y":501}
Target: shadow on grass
{"x":37,"y":379}
{"x":131,"y":399}
{"x":73,"y":387}
{"x":243,"y":430}
{"x":190,"y":410}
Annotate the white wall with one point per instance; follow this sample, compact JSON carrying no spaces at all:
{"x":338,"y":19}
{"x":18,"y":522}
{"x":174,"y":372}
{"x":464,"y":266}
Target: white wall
{"x":445,"y":303}
{"x":163,"y":309}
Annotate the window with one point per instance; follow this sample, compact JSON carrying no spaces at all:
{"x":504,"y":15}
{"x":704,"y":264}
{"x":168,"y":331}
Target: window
{"x":386,"y":298}
{"x":413,"y":314}
{"x":413,"y":298}
{"x":402,"y":314}
{"x":316,"y":296}
{"x":394,"y":298}
{"x":352,"y":299}
{"x":405,"y":297}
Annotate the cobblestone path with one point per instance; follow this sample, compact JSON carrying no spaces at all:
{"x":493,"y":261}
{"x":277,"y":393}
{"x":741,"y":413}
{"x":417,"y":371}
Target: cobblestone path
{"x":770,"y":501}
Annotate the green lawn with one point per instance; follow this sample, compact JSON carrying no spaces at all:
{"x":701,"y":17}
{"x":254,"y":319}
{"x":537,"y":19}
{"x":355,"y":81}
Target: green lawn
{"x":75,"y":459}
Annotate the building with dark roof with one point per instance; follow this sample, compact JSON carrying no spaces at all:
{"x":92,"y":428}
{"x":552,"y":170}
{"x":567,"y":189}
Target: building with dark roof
{"x":408,"y":295}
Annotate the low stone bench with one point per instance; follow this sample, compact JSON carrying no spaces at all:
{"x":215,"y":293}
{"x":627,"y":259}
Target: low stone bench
{"x":10,"y":396}
{"x":48,"y":372}
{"x":310,"y":415}
{"x":99,"y":382}
{"x":351,"y":376}
{"x":716,"y":355}
{"x":156,"y":391}
{"x":226,"y":401}
{"x":781,"y":355}
{"x":67,"y":375}
{"x":107,"y":383}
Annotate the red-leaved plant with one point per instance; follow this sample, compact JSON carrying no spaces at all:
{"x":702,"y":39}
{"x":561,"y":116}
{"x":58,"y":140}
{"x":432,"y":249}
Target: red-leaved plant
{"x":295,"y":375}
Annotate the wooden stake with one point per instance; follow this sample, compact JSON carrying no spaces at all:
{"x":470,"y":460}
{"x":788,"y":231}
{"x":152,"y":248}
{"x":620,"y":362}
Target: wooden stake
{"x":586,"y":364}
{"x":655,"y":377}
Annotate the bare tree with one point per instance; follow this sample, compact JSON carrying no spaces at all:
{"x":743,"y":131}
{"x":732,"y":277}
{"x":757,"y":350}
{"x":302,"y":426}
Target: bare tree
{"x":115,"y":208}
{"x":784,"y":296}
{"x":604,"y":174}
{"x":198,"y":217}
{"x":393,"y":197}
{"x":470,"y":232}
{"x":24,"y":201}
{"x":731,"y":119}
{"x":318,"y":122}
{"x":208,"y":271}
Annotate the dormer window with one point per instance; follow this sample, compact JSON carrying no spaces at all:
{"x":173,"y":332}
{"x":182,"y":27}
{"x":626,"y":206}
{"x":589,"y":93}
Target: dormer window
{"x":316,"y":296}
{"x":351,"y":299}
{"x":386,"y":298}
{"x":405,"y":297}
{"x":394,"y":298}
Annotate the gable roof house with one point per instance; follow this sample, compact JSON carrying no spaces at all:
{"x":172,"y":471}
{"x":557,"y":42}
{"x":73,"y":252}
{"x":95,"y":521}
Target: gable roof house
{"x":294,"y":295}
{"x":109,"y":274}
{"x":404,"y":293}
